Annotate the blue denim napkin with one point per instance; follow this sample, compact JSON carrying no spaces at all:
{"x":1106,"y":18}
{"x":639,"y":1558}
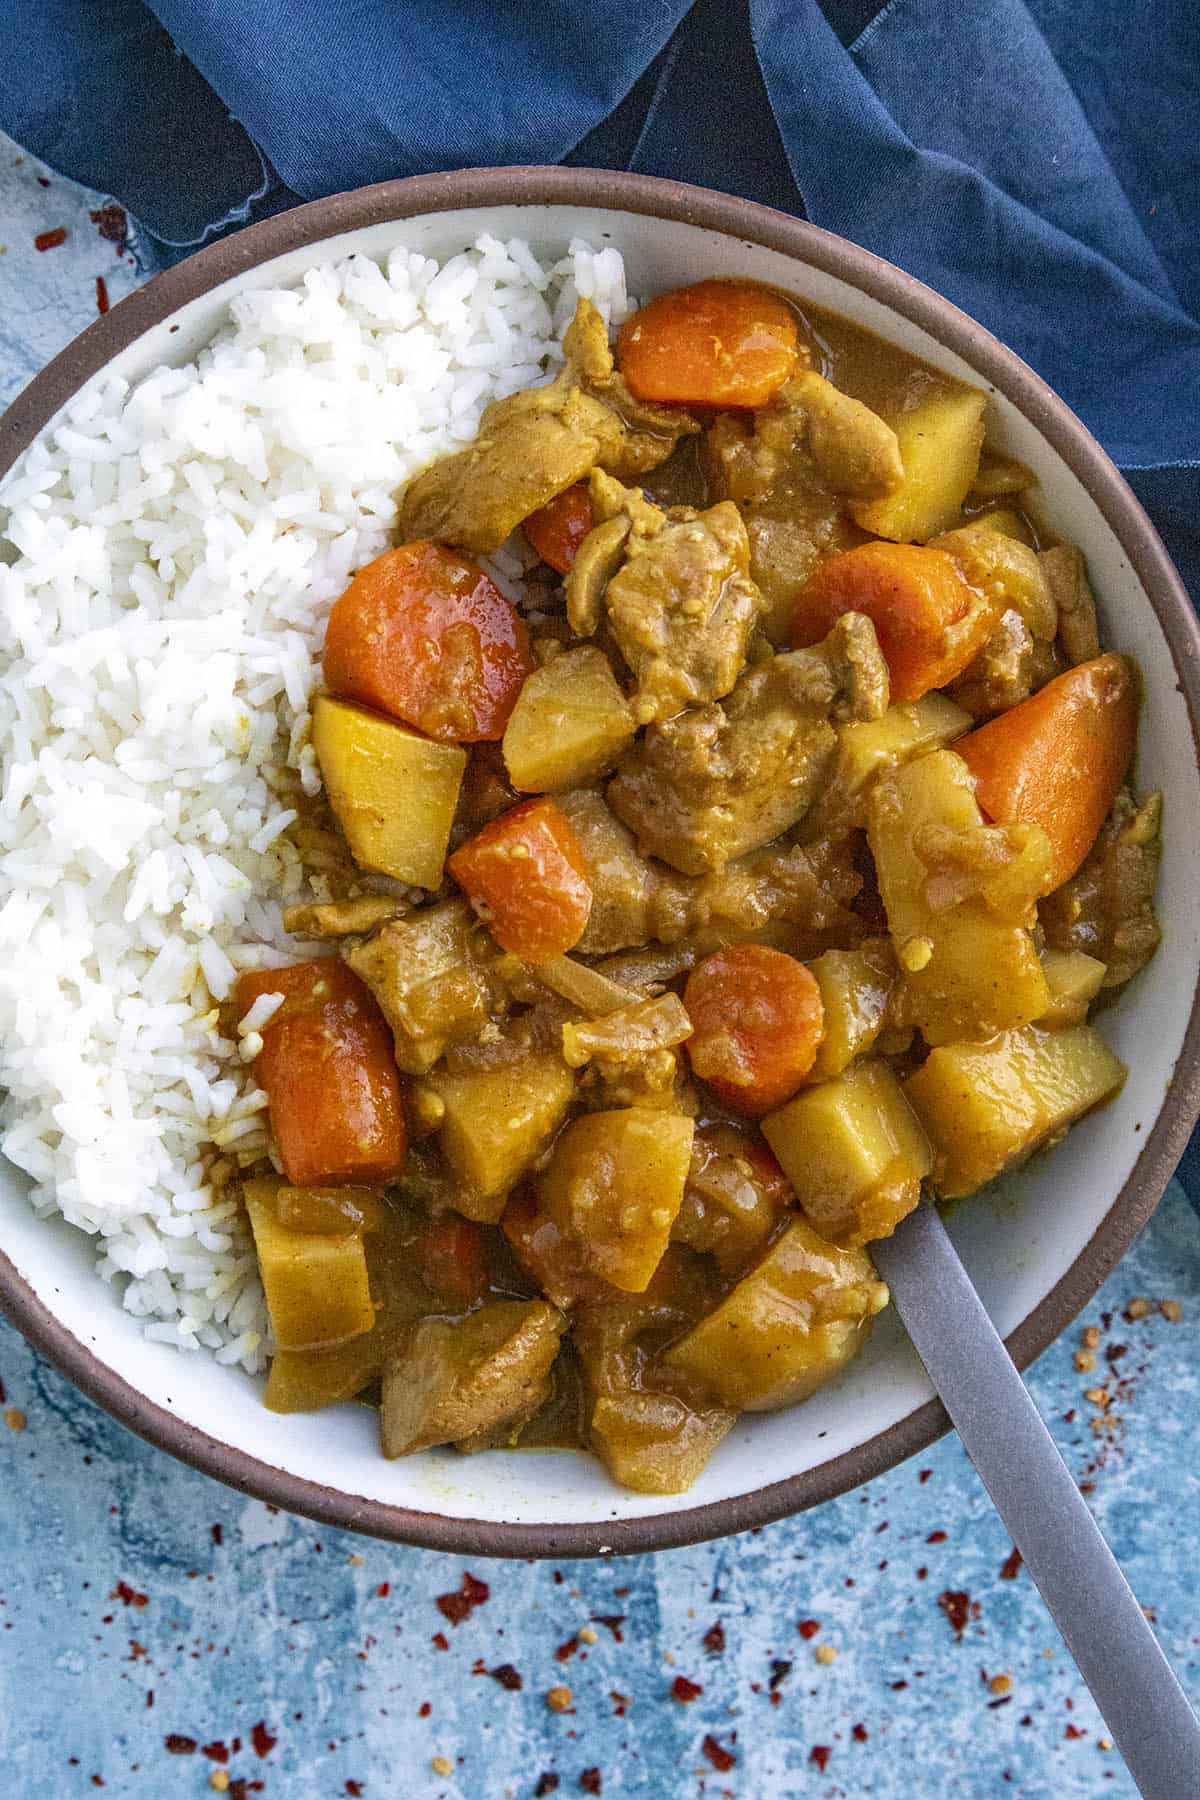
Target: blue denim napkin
{"x":1036,"y":160}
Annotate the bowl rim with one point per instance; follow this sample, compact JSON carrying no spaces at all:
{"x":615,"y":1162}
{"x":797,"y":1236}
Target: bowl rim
{"x":729,"y":216}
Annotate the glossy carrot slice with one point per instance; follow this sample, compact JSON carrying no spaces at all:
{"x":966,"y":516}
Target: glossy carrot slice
{"x":329,"y":1072}
{"x":930,"y":622}
{"x":1058,"y":759}
{"x":716,"y":343}
{"x":557,"y":529}
{"x":424,"y":635}
{"x":757,"y":1023}
{"x":526,"y":877}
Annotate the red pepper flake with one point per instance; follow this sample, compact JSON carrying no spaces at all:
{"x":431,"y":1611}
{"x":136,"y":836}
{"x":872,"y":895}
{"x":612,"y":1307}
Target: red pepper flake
{"x":460,"y":1606}
{"x":508,"y":1677}
{"x":216,"y":1751}
{"x":547,"y":1783}
{"x":994,"y":1704}
{"x":1073,"y":1731}
{"x":238,"y":1788}
{"x":176,"y":1745}
{"x":558,"y":1581}
{"x":217,"y":1535}
{"x":897,"y":1685}
{"x":149,"y":1697}
{"x":859,"y":1734}
{"x":43,"y":181}
{"x":922,"y":1572}
{"x":3,"y":1395}
{"x":129,"y":1596}
{"x":924,"y":1475}
{"x":820,"y":1755}
{"x":354,"y":1789}
{"x":440,"y":1641}
{"x":621,"y":1702}
{"x":780,"y":1671}
{"x":566,"y":1650}
{"x":614,"y":1621}
{"x":720,"y":1758}
{"x":957,"y":1607}
{"x":714,"y":1639}
{"x":384,"y":1589}
{"x":685,"y":1691}
{"x":262,"y":1739}
{"x":590,"y":1781}
{"x":424,"y":1710}
{"x":936,"y":1537}
{"x":112,"y":224}
{"x":808,"y":1628}
{"x":1011,"y":1565}
{"x":50,"y":240}
{"x":101,"y":295}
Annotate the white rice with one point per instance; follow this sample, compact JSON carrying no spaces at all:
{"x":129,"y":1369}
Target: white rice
{"x":172,"y":552}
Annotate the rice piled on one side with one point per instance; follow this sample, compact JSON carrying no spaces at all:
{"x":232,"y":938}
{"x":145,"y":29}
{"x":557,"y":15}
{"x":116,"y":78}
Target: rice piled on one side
{"x":173,"y":552}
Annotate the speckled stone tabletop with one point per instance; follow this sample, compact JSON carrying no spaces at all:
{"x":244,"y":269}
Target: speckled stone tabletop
{"x":161,"y":1636}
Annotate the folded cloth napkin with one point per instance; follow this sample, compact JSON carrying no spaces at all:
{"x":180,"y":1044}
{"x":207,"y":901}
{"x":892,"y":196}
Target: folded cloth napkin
{"x":1036,"y":161}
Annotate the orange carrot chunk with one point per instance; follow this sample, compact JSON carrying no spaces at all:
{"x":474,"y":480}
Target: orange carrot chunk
{"x":526,"y":877}
{"x":557,"y":529}
{"x":423,"y":635}
{"x":757,"y":1024}
{"x":930,"y":622}
{"x":328,"y":1068}
{"x":1058,"y":759}
{"x":451,"y":1255}
{"x":717,"y":343}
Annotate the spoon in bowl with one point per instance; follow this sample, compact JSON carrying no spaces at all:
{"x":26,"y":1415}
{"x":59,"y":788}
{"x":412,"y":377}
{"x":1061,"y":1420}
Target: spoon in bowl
{"x":1060,"y":1543}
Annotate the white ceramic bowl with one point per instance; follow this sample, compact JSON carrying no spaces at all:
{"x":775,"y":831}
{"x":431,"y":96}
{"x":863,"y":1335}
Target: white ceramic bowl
{"x":1037,"y":1246}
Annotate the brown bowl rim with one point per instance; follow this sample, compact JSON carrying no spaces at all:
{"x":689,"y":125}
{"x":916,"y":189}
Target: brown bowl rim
{"x":1004,"y":371}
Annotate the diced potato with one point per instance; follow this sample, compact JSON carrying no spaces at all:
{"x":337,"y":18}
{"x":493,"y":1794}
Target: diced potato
{"x":654,"y":1442}
{"x":316,"y":1287}
{"x":988,"y":1106}
{"x":856,"y":986}
{"x":495,"y":1124}
{"x":867,"y":747}
{"x":969,"y":971}
{"x":1074,"y":980}
{"x":457,"y":1379}
{"x":615,"y":1182}
{"x":570,"y":724}
{"x":1004,"y":519}
{"x":1001,"y":477}
{"x":853,"y":1152}
{"x":940,"y":431}
{"x":788,"y":1326}
{"x":308,"y":1380}
{"x":433,"y":975}
{"x":394,"y":793}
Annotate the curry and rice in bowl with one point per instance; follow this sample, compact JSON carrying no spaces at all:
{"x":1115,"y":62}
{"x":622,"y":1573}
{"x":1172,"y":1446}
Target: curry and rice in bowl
{"x":533,"y":827}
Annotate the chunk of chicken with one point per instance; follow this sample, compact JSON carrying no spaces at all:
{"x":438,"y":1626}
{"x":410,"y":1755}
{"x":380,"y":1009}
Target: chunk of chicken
{"x":472,"y":1382}
{"x":676,"y":593}
{"x":852,"y":448}
{"x":435,"y":977}
{"x":537,"y":442}
{"x":1107,"y":909}
{"x":1066,"y":576}
{"x":721,"y":780}
{"x":1003,"y":673}
{"x":635,"y":900}
{"x":342,"y":918}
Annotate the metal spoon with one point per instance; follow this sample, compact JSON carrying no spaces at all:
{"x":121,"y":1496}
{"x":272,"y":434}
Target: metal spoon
{"x":1014,"y":1455}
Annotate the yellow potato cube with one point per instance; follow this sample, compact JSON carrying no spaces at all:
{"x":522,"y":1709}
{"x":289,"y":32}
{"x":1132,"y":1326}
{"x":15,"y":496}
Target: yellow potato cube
{"x":868,"y":747}
{"x":940,"y":431}
{"x":788,"y":1326}
{"x":496,"y":1122}
{"x":1074,"y":980}
{"x":615,"y":1182}
{"x":853,"y":1151}
{"x":394,"y":793}
{"x":570,"y":724}
{"x":316,"y":1287}
{"x":988,"y":1106}
{"x":968,"y":972}
{"x":856,"y":986}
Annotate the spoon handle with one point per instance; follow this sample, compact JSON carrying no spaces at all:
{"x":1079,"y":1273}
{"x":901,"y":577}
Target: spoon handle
{"x":1014,"y":1455}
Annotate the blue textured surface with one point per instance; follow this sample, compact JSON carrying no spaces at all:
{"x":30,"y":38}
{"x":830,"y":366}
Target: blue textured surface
{"x":142,"y":1605}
